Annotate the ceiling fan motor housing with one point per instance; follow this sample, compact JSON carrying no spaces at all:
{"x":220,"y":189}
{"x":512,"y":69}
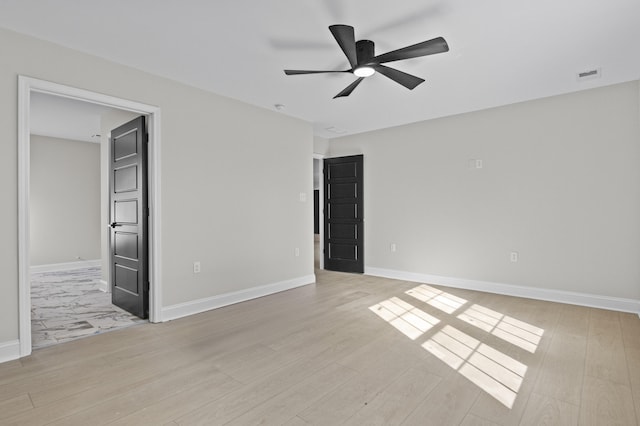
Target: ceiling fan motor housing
{"x":365,"y":52}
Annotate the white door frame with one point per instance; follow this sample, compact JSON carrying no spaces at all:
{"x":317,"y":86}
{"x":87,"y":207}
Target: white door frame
{"x":320,"y":157}
{"x":27,"y":85}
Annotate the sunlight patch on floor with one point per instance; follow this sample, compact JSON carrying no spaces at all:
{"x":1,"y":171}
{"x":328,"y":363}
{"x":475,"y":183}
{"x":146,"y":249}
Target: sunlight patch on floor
{"x":496,"y":373}
{"x":439,"y":299}
{"x":516,"y":332}
{"x":409,"y":320}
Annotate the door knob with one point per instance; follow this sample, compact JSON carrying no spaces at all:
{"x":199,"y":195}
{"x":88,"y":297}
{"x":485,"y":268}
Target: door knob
{"x":113,"y":225}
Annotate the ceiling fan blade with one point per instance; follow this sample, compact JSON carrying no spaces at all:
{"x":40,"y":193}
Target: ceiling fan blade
{"x":297,"y":72}
{"x":407,"y":80}
{"x":429,"y":47}
{"x":347,"y":91}
{"x":345,"y":37}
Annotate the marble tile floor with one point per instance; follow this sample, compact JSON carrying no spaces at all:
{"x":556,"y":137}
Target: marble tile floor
{"x":67,"y":305}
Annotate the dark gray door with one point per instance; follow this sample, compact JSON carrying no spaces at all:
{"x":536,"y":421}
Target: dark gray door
{"x":343,"y":214}
{"x":129,"y":217}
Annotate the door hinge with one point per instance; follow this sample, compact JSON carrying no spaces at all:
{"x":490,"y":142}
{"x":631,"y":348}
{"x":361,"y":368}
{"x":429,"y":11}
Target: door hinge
{"x":146,"y":286}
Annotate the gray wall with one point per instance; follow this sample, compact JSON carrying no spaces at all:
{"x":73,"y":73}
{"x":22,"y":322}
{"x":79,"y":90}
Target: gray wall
{"x":231,"y":176}
{"x":560,"y":185}
{"x":65,"y":200}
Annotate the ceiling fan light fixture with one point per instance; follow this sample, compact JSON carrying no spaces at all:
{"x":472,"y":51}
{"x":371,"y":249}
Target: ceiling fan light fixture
{"x":364,"y":71}
{"x":364,"y":62}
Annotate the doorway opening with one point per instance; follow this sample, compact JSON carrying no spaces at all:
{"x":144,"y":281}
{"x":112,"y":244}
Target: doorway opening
{"x":27,"y":88}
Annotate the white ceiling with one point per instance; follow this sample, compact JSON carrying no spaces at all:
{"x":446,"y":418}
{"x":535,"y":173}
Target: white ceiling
{"x":65,"y":118}
{"x":501,"y":51}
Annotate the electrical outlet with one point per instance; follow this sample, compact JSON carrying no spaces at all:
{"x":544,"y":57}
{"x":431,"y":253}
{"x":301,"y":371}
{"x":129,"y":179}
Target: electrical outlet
{"x":196,"y":267}
{"x":303,"y":197}
{"x":514,"y":256}
{"x":297,"y":252}
{"x":475,"y":164}
{"x":393,"y":247}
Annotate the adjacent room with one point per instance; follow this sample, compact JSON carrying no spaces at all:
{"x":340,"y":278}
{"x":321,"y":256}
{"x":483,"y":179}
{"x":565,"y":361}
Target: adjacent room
{"x":70,"y":297}
{"x":469,"y":171}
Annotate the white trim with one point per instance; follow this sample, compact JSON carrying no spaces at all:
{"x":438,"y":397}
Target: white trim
{"x":68,"y":266}
{"x":197,"y":306}
{"x":321,"y":206}
{"x":9,"y":350}
{"x":155,"y":214}
{"x":560,"y":296}
{"x":26,"y":85}
{"x":103,"y":286}
{"x":24,"y":281}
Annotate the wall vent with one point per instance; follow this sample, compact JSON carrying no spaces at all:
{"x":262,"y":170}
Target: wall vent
{"x":589,"y":74}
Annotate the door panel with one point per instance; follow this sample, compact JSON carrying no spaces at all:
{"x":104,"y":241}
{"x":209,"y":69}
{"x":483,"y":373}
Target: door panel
{"x":344,"y":230}
{"x":344,"y":190}
{"x":126,"y":278}
{"x":343,"y":244}
{"x":128,"y":213}
{"x":125,"y":179}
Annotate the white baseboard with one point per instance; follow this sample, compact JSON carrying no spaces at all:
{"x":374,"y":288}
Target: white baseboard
{"x":9,"y":350}
{"x":560,"y":296}
{"x":103,"y":286}
{"x":65,"y":266}
{"x":201,"y":305}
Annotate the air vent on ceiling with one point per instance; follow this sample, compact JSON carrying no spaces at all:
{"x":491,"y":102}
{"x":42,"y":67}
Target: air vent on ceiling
{"x":589,"y":74}
{"x":335,"y":130}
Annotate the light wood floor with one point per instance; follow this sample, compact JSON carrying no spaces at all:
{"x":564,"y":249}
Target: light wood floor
{"x":349,"y":350}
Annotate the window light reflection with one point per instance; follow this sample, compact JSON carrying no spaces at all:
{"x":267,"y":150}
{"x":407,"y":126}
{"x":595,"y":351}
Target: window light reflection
{"x":519,"y":333}
{"x":409,"y":320}
{"x":494,"y":372}
{"x":439,"y":299}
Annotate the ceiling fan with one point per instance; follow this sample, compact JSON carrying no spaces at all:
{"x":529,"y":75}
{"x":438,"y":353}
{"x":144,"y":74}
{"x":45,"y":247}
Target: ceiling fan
{"x":364,"y":63}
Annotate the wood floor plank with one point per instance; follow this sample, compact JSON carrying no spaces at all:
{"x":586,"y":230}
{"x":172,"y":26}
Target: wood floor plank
{"x":348,"y":398}
{"x":606,"y":357}
{"x":562,"y":373}
{"x":9,"y":368}
{"x":447,"y":404}
{"x":543,"y":410}
{"x":295,"y":421}
{"x":284,"y":407}
{"x":319,"y":354}
{"x":378,"y":364}
{"x":13,"y":406}
{"x":394,"y":404}
{"x":252,"y":395}
{"x":606,"y":402}
{"x":145,"y":393}
{"x":180,"y":403}
{"x":630,"y":325}
{"x":473,"y":420}
{"x":78,"y":395}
